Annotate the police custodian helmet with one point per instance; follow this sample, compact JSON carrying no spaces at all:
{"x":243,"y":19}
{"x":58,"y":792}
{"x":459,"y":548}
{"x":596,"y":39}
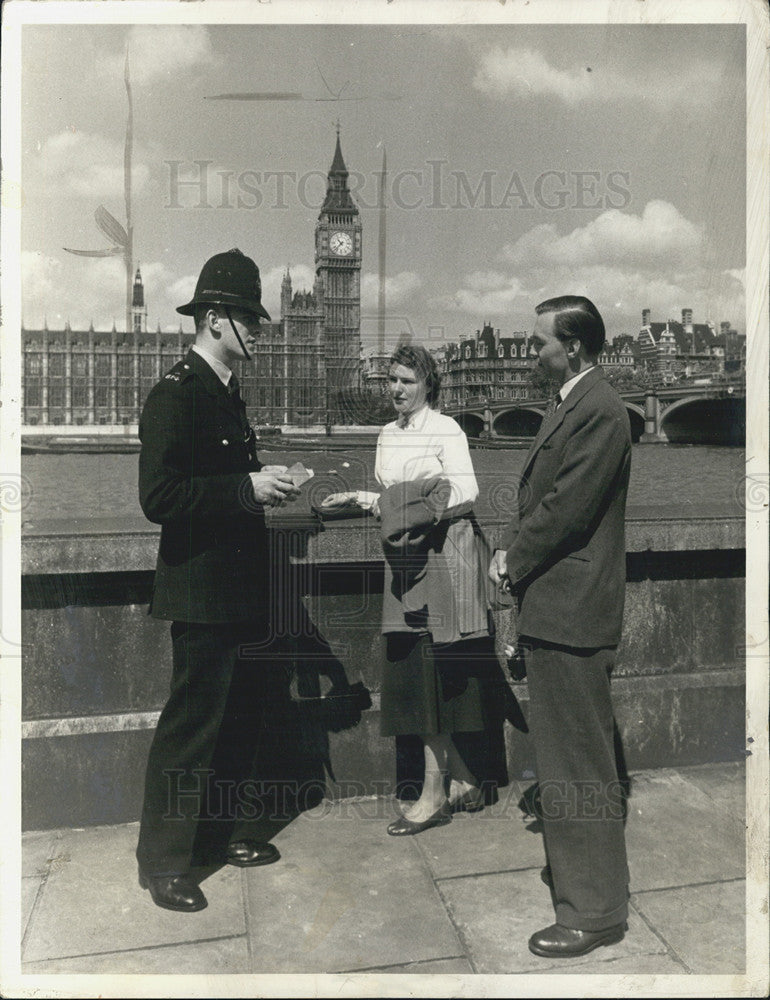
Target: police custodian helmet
{"x":228,"y":279}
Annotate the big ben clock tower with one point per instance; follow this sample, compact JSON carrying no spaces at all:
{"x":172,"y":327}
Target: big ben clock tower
{"x":338,"y":268}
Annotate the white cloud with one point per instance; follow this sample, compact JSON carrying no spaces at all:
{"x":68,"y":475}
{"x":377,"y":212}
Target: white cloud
{"x":161,"y":52}
{"x":77,"y":289}
{"x":484,"y":294}
{"x":660,"y":237}
{"x":398,"y":289}
{"x":87,"y":166}
{"x":84,"y":290}
{"x":526,"y":73}
{"x":181,"y":290}
{"x":623,"y":262}
{"x":157,"y":282}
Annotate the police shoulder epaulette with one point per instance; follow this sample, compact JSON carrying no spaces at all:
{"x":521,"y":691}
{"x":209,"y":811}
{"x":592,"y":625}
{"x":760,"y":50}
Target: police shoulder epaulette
{"x":179,"y":373}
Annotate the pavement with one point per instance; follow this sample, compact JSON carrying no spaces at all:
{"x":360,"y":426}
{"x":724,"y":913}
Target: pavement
{"x":456,"y":900}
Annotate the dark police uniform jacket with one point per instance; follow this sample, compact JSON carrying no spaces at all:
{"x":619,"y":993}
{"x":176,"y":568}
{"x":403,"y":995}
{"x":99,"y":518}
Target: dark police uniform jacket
{"x":197,"y":453}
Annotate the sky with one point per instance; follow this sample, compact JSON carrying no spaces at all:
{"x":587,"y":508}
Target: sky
{"x":523,"y":162}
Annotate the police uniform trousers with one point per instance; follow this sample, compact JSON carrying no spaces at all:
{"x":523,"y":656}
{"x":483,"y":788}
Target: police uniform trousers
{"x":572,"y":726}
{"x":200,"y":792}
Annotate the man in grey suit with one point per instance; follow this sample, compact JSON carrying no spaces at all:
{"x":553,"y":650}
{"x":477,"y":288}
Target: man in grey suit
{"x":564,"y":559}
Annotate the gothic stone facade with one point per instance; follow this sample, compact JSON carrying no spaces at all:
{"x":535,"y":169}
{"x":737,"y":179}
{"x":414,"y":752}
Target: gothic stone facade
{"x":103,"y":377}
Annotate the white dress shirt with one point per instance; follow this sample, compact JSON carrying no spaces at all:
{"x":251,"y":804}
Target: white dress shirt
{"x":570,"y":384}
{"x":429,"y":444}
{"x":221,"y":370}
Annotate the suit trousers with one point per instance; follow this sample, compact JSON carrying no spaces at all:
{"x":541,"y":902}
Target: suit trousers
{"x":200,"y":779}
{"x":572,"y":726}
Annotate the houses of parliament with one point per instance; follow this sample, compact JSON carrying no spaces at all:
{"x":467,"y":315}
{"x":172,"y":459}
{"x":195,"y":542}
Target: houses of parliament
{"x":92,"y":377}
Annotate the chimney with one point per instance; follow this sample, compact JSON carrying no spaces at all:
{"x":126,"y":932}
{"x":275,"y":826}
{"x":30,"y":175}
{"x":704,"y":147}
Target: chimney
{"x":724,"y":326}
{"x":687,"y":318}
{"x":645,"y":317}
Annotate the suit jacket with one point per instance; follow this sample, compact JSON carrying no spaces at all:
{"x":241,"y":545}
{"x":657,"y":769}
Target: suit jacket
{"x":197,"y":452}
{"x":566,"y":557}
{"x":434,"y":576}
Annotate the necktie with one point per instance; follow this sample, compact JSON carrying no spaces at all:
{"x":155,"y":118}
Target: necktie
{"x":553,"y":404}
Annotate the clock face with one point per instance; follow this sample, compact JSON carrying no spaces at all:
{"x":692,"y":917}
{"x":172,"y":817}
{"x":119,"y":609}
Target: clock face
{"x":341,"y":244}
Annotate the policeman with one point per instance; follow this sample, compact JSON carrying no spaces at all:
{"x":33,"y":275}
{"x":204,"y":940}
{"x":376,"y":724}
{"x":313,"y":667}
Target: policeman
{"x":201,"y":480}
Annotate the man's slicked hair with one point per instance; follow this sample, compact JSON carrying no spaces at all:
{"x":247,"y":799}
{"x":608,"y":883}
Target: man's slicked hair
{"x":576,"y":316}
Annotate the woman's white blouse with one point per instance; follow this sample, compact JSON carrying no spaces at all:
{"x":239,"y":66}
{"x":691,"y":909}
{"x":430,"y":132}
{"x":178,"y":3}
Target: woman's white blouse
{"x":430,"y":444}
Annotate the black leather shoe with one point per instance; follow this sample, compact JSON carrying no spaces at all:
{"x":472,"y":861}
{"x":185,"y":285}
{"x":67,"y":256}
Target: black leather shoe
{"x":557,"y":941}
{"x":251,"y":854}
{"x":174,"y":892}
{"x":404,"y":827}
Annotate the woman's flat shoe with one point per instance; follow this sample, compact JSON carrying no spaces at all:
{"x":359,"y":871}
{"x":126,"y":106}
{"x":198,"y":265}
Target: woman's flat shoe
{"x":403,"y":827}
{"x":471,"y":801}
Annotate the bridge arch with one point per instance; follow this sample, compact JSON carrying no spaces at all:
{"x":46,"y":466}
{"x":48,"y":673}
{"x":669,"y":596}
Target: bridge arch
{"x":699,"y":420}
{"x":636,"y":417}
{"x":471,"y":423}
{"x":519,"y":421}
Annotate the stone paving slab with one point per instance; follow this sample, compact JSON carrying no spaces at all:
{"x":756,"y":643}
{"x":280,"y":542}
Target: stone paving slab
{"x":495,"y":916}
{"x":725,"y":784}
{"x":38,"y":851}
{"x":474,"y":843}
{"x":91,"y":901}
{"x":223,"y":956}
{"x":624,"y":965}
{"x":29,"y":891}
{"x":704,"y":924}
{"x":345,"y":896}
{"x":437,"y":967}
{"x":675,"y":835}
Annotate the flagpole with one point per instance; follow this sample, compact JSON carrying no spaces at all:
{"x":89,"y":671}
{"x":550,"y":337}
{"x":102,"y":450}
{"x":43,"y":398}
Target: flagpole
{"x":382,"y":250}
{"x":127,"y":155}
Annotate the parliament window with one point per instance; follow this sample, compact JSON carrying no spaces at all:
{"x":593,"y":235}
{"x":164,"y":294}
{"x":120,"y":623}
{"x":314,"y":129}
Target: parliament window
{"x":33,"y":363}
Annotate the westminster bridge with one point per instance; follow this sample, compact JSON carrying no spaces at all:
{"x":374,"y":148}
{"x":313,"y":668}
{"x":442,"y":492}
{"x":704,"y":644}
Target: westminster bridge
{"x":678,"y":414}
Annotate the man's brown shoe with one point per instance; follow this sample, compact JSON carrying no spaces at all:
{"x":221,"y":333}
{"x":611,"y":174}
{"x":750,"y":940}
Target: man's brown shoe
{"x":557,"y":941}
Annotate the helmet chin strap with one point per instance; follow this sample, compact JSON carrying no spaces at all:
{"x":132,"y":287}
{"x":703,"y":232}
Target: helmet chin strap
{"x":237,"y":335}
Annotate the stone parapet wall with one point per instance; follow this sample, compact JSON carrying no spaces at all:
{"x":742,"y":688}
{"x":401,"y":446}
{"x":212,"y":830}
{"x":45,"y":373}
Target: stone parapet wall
{"x":95,"y":668}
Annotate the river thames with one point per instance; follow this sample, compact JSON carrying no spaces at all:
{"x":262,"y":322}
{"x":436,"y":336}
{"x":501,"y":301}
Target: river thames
{"x":696,"y":479}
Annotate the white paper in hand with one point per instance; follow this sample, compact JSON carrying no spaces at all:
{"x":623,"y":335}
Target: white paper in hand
{"x":299,"y":474}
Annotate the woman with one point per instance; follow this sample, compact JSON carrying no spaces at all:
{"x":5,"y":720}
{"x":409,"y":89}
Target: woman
{"x":440,"y":673}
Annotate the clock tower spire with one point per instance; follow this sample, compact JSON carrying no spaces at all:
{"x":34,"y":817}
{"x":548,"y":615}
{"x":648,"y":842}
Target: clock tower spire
{"x":338,"y":270}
